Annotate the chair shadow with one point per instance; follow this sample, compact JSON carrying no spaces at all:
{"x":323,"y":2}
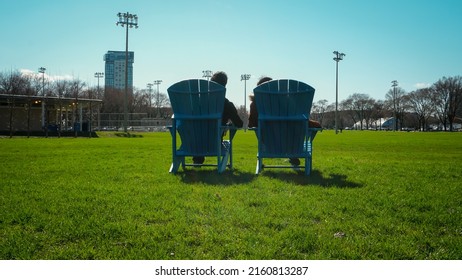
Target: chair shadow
{"x":315,"y":178}
{"x":237,"y":177}
{"x":211,"y":177}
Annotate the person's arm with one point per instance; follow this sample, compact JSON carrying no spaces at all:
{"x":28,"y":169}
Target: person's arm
{"x":253,"y":115}
{"x":230,"y":113}
{"x":313,"y":123}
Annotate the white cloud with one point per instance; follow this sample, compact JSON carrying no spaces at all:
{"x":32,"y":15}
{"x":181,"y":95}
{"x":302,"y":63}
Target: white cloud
{"x":422,"y":85}
{"x":52,"y":78}
{"x":27,"y":72}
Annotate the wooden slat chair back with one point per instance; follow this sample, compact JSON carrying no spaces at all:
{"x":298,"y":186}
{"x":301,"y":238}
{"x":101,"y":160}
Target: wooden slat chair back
{"x":283,"y":129}
{"x":197,"y":111}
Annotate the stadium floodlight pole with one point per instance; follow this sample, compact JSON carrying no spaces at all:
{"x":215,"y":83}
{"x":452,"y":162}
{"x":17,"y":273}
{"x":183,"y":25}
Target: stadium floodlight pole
{"x":394,"y":84}
{"x":42,"y":71}
{"x":149,"y":85}
{"x":126,"y":20}
{"x":98,"y":75}
{"x":44,"y":102}
{"x":207,"y":74}
{"x":338,"y":56}
{"x":245,"y":77}
{"x":157,"y":83}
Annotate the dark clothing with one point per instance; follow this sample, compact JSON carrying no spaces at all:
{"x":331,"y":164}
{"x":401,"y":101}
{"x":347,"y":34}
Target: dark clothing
{"x":230,"y":113}
{"x":253,"y":115}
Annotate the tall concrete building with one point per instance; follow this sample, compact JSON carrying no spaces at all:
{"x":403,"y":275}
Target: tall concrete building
{"x":114,"y":76}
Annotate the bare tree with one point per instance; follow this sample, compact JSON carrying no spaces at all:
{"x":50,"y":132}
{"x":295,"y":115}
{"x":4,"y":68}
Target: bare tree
{"x":447,"y":97}
{"x":377,"y":114}
{"x":395,"y":102}
{"x":113,"y":101}
{"x":360,"y":106}
{"x":243,"y":114}
{"x":13,"y":84}
{"x":141,"y":102}
{"x":319,"y":109}
{"x":161,"y":101}
{"x":346,"y":107}
{"x":61,"y":87}
{"x":7,"y":88}
{"x":421,"y":104}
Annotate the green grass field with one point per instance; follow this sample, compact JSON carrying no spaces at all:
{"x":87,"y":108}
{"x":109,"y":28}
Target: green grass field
{"x":372,"y":195}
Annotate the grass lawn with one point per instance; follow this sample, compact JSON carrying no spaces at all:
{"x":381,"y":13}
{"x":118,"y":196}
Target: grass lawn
{"x":372,"y":195}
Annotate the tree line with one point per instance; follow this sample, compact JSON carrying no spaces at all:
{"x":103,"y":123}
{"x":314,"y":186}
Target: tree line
{"x":33,"y":84}
{"x":439,"y":105}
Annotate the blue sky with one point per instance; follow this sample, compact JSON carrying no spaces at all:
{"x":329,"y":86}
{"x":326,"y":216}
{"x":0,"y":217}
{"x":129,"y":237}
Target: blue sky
{"x":413,"y":42}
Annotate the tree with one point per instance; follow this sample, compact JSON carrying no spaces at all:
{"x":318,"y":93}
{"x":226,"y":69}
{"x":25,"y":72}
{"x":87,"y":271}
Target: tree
{"x":420,"y":102}
{"x":360,"y":106}
{"x":61,"y":87}
{"x":141,"y":102}
{"x":113,"y":101}
{"x":13,"y":84}
{"x":346,"y":106}
{"x":378,"y":113}
{"x":243,"y":114}
{"x":161,"y":100}
{"x":319,"y":109}
{"x":395,"y":103}
{"x":447,"y":97}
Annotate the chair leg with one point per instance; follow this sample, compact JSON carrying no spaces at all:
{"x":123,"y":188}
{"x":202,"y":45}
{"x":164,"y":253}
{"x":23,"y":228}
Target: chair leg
{"x":227,"y":157}
{"x":259,"y":166}
{"x":230,"y":156}
{"x":177,"y":161}
{"x":223,"y":163}
{"x":308,"y":165}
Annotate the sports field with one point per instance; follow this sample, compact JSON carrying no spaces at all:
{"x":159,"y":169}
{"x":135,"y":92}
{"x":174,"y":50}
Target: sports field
{"x":371,"y":195}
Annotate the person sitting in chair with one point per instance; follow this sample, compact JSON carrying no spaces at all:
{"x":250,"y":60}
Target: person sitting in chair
{"x":253,"y":116}
{"x":230,"y":115}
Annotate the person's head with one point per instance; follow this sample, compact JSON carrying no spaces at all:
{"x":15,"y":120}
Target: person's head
{"x":220,"y":77}
{"x":263,"y":79}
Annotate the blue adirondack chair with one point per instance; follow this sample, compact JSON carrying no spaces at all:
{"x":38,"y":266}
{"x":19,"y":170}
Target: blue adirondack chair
{"x":197,"y":111}
{"x":283,"y":129}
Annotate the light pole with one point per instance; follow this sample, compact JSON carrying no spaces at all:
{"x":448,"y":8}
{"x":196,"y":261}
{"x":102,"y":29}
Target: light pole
{"x":338,"y":56}
{"x":207,"y":74}
{"x":98,"y":75}
{"x":394,"y":84}
{"x":149,"y":85}
{"x":157,"y":83}
{"x":42,"y":71}
{"x":45,"y":100}
{"x":127,"y":20}
{"x":245,"y":77}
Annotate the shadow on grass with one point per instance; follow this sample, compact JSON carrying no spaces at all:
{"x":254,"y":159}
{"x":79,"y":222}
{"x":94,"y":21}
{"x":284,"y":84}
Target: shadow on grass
{"x":211,"y":177}
{"x":237,"y":177}
{"x":315,"y":178}
{"x":127,"y":135}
